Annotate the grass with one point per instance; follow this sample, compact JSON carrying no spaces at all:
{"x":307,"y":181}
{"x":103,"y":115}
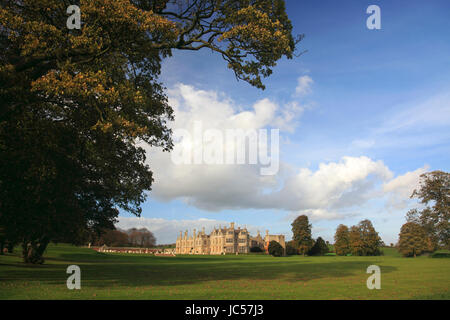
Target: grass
{"x":134,"y":276}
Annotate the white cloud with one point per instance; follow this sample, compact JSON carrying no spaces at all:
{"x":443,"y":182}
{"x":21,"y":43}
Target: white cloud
{"x":328,"y":186}
{"x":329,"y":192}
{"x":400,"y":189}
{"x":304,"y":84}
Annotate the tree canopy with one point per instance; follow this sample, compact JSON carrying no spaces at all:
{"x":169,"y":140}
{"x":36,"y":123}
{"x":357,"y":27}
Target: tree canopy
{"x":77,"y":104}
{"x":434,"y":193}
{"x":412,"y":240}
{"x":275,"y":249}
{"x":301,"y":234}
{"x":341,"y":240}
{"x":364,"y":239}
{"x":319,"y":248}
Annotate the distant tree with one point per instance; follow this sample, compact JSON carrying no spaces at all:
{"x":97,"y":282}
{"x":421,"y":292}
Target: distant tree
{"x":434,"y":193}
{"x":370,"y":239}
{"x":319,"y":248}
{"x":355,"y":241}
{"x":114,"y":238}
{"x":256,"y":249}
{"x":301,"y":234}
{"x":290,"y":248}
{"x":342,"y":240}
{"x":141,"y":237}
{"x":275,"y":249}
{"x":412,"y":240}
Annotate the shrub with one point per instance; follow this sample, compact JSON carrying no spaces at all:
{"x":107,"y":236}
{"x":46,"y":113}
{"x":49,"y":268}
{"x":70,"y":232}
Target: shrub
{"x":275,"y":249}
{"x":290,"y":249}
{"x":441,"y":255}
{"x":256,"y":249}
{"x":319,"y":248}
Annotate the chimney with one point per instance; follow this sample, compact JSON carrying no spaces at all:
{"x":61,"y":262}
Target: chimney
{"x":203,"y":230}
{"x":232,"y":225}
{"x":194,"y":232}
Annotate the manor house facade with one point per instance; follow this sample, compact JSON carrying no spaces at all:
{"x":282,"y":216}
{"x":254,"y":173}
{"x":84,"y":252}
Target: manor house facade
{"x":224,"y":241}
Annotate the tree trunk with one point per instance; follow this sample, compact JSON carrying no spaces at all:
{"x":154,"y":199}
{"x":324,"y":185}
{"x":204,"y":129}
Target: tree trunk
{"x":10,"y":247}
{"x":33,"y":251}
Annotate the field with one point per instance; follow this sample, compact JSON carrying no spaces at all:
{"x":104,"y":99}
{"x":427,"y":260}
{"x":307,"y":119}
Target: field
{"x":133,"y":276}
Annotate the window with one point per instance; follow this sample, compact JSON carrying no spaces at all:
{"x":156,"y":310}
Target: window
{"x":230,"y":240}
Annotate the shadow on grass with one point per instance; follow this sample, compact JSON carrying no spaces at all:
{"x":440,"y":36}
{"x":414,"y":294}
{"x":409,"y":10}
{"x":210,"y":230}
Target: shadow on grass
{"x":103,"y":270}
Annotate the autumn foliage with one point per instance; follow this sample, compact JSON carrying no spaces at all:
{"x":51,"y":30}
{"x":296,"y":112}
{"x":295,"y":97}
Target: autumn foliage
{"x":75,"y":103}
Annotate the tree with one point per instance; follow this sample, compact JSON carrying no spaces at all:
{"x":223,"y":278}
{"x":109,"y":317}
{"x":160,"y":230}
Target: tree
{"x":114,"y":238}
{"x":370,"y":239}
{"x":74,"y":103}
{"x":355,"y":241}
{"x":364,"y":240}
{"x":141,"y":237}
{"x":434,"y":193}
{"x":290,"y":248}
{"x":412,"y":240}
{"x":342,"y":240}
{"x":275,"y":249}
{"x":319,"y":248}
{"x":301,"y":234}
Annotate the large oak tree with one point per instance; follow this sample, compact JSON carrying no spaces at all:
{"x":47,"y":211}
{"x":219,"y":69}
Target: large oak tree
{"x":434,"y":193}
{"x":75,"y":103}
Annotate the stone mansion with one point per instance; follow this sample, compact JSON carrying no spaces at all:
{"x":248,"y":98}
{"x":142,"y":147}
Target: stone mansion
{"x":224,"y":241}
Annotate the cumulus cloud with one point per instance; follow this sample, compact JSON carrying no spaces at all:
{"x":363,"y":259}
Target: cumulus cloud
{"x":304,"y":84}
{"x":400,"y":189}
{"x":216,"y":186}
{"x":330,"y":191}
{"x":329,"y":186}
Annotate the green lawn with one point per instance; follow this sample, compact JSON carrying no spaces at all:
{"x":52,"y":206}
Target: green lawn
{"x":130,"y":276}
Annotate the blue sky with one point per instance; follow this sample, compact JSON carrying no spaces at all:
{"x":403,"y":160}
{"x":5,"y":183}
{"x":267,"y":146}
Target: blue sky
{"x":373,"y":115}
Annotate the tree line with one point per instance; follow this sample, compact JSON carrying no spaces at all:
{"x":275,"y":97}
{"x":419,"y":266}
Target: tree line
{"x":425,"y":231}
{"x":360,"y":240}
{"x":133,"y":237}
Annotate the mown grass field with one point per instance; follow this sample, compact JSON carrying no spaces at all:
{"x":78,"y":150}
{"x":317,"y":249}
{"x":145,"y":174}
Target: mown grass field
{"x":131,"y":276}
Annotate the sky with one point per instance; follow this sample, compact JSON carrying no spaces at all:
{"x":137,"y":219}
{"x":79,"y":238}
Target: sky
{"x":361,"y":114}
